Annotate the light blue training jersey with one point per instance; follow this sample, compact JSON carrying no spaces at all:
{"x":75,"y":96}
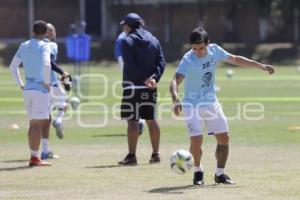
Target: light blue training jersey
{"x":32,"y":53}
{"x":118,"y":44}
{"x":199,"y":73}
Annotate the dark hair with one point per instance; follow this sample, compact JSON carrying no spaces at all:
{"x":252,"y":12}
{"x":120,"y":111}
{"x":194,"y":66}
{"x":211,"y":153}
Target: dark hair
{"x":198,"y":35}
{"x":135,"y":25}
{"x":40,"y":27}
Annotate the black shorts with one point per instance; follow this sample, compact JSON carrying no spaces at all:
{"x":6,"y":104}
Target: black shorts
{"x":139,"y":104}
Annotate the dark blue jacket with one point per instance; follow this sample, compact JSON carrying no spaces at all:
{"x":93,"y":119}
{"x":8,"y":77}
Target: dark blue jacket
{"x":142,"y":56}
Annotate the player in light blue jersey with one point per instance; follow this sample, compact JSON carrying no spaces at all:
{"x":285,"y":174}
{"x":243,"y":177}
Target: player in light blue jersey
{"x":118,"y":54}
{"x":58,"y":96}
{"x":35,"y":56}
{"x":200,"y":104}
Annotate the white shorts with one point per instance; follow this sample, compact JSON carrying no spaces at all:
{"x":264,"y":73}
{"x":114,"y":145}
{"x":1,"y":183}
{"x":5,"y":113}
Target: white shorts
{"x":211,"y":116}
{"x":58,"y":97}
{"x":37,"y":104}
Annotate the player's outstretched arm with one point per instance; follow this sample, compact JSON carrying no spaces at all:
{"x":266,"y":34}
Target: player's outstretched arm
{"x":245,"y":62}
{"x":175,"y":82}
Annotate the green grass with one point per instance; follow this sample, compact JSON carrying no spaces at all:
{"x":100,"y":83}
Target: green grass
{"x":264,"y":154}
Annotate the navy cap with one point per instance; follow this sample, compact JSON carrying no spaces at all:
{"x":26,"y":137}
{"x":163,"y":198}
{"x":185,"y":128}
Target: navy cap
{"x":131,"y":19}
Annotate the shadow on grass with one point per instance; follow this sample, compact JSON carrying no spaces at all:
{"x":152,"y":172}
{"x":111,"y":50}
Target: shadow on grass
{"x":104,"y":166}
{"x":110,"y":135}
{"x":115,"y":166}
{"x":172,"y":190}
{"x":14,"y":161}
{"x":179,"y":189}
{"x":14,"y":168}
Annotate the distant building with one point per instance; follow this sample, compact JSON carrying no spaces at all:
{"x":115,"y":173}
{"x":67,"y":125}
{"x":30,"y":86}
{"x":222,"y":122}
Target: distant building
{"x":234,"y":21}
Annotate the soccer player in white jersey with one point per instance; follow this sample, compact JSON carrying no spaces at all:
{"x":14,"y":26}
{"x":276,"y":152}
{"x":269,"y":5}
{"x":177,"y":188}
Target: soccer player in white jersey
{"x":35,"y":56}
{"x":200,"y":104}
{"x":58,"y":96}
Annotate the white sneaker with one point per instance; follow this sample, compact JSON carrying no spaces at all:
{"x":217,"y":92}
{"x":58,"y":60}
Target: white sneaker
{"x":49,"y":155}
{"x":59,"y":129}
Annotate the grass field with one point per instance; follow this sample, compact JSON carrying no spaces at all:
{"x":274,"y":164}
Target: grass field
{"x":264,"y":156}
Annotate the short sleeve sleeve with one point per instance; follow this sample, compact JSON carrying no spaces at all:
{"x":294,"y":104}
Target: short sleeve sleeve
{"x":18,"y":54}
{"x":221,"y":54}
{"x":182,"y":67}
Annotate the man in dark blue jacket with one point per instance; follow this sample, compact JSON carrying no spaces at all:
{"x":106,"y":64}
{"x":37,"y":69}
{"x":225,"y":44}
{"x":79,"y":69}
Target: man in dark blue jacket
{"x":144,"y":65}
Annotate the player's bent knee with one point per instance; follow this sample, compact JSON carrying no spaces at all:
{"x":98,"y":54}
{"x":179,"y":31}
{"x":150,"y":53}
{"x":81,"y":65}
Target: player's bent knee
{"x":222,"y":138}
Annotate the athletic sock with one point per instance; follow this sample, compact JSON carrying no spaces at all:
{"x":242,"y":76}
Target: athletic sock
{"x":198,"y":169}
{"x":45,"y":145}
{"x":60,"y":114}
{"x":34,"y":153}
{"x":220,"y":171}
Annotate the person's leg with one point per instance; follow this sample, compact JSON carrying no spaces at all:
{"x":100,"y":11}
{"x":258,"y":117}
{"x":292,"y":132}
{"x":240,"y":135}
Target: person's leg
{"x":154,"y":132}
{"x":39,"y":116}
{"x":58,"y":97}
{"x":129,"y":113}
{"x":46,"y":153}
{"x":217,"y":125}
{"x":222,"y":152}
{"x":34,"y":134}
{"x":193,"y":123}
{"x":196,"y":150}
{"x":132,"y":136}
{"x":34,"y":138}
{"x":60,"y":113}
{"x":147,"y":112}
{"x":45,"y":136}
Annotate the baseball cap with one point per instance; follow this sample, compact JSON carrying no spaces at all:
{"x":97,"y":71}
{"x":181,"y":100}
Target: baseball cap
{"x":132,"y":18}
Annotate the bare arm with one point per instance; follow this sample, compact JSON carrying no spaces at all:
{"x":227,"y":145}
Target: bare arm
{"x":245,"y":62}
{"x":175,"y":82}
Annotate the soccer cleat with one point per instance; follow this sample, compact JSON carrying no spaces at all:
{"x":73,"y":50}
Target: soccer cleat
{"x":141,"y":128}
{"x":155,"y":158}
{"x":36,"y":162}
{"x":129,"y":160}
{"x":49,"y":155}
{"x":59,"y":129}
{"x":198,"y":178}
{"x":223,"y":179}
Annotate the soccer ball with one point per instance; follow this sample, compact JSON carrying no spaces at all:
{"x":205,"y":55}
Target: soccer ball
{"x":181,"y":161}
{"x":229,"y":73}
{"x":74,"y":101}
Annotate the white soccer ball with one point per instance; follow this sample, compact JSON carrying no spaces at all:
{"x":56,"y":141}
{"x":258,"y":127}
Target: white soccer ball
{"x":181,"y":161}
{"x":74,"y":101}
{"x":229,"y":73}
